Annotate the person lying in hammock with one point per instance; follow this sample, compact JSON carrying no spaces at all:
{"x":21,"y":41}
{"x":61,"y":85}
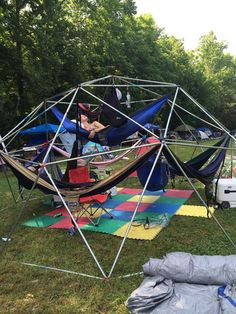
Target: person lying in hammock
{"x":92,"y":127}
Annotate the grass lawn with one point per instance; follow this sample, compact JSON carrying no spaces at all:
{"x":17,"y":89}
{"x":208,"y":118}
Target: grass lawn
{"x":26,"y":289}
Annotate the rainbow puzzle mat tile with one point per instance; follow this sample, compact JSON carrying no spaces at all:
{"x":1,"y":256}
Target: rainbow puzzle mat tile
{"x":121,"y":207}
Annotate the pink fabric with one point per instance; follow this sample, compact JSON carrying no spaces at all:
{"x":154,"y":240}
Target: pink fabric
{"x":61,"y":210}
{"x":130,"y":206}
{"x":130,"y":191}
{"x":98,"y":197}
{"x":67,"y":224}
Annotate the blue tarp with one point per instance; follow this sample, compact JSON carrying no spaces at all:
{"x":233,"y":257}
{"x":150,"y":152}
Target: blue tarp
{"x":151,"y":126}
{"x":42,"y":128}
{"x":204,"y":129}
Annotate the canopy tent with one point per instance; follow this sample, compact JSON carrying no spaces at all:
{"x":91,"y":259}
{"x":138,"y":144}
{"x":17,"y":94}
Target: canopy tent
{"x":205,"y":130}
{"x":112,"y":136}
{"x":184,"y":128}
{"x":202,"y":135}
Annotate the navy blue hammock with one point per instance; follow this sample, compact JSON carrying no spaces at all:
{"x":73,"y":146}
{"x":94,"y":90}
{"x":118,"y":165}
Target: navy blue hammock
{"x":159,"y":178}
{"x":112,"y":136}
{"x":194,"y":167}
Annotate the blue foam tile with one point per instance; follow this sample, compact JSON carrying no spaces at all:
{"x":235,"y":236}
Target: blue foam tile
{"x":163,"y":208}
{"x":119,"y":215}
{"x":109,"y":204}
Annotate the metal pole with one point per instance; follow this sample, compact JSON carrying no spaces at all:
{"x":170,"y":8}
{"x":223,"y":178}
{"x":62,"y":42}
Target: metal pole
{"x":63,"y":270}
{"x":135,"y":211}
{"x":33,"y":119}
{"x":201,"y":199}
{"x":60,"y":125}
{"x":97,"y":80}
{"x":231,"y":157}
{"x":170,"y":113}
{"x":124,"y":115}
{"x":141,"y":80}
{"x":127,"y":85}
{"x":208,"y":114}
{"x":193,"y":115}
{"x":21,"y":211}
{"x":75,"y":223}
{"x":97,"y":154}
{"x":32,"y":112}
{"x":182,"y":121}
{"x":194,"y":145}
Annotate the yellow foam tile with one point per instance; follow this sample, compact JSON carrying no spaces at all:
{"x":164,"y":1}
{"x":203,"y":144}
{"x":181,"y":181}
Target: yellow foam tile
{"x":145,"y":199}
{"x":97,"y":214}
{"x":193,"y":211}
{"x":139,"y":232}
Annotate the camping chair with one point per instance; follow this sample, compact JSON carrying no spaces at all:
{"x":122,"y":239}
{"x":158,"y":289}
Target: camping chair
{"x":87,"y":203}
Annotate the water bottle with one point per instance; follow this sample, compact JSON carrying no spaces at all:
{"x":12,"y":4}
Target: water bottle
{"x":165,"y":220}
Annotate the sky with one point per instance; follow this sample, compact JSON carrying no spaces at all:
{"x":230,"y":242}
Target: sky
{"x":190,"y":19}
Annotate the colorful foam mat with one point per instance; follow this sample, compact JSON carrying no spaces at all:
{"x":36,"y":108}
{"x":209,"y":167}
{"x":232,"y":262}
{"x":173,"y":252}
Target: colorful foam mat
{"x":194,"y":211}
{"x":149,"y":220}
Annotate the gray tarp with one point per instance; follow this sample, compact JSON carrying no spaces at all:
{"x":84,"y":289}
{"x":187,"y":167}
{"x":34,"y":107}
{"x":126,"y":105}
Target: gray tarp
{"x":185,"y":283}
{"x":185,"y":267}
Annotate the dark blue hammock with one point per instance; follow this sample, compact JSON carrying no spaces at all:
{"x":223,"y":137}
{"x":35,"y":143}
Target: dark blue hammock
{"x":159,"y":177}
{"x":204,"y":175}
{"x":114,"y":136}
{"x":198,"y":161}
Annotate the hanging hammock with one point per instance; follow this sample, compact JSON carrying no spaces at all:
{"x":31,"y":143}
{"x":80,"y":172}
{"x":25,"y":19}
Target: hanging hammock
{"x":159,"y":177}
{"x":100,"y":163}
{"x":27,"y":178}
{"x":198,"y":161}
{"x":112,"y":136}
{"x":204,"y":175}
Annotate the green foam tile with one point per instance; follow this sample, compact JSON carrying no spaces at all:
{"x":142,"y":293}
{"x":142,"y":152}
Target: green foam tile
{"x":122,"y":197}
{"x":170,"y":200}
{"x":42,"y":221}
{"x":105,"y":225}
{"x":144,"y":215}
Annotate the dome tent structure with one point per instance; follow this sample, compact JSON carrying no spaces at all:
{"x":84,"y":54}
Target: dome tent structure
{"x":67,"y":100}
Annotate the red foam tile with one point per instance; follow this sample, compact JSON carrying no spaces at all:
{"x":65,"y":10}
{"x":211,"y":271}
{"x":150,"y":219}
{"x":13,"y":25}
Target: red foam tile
{"x":178,"y":193}
{"x":133,"y":174}
{"x":130,"y":206}
{"x":67,"y":224}
{"x":130,"y":191}
{"x":61,"y":210}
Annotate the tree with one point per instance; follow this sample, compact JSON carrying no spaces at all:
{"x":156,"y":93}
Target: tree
{"x":218,"y":69}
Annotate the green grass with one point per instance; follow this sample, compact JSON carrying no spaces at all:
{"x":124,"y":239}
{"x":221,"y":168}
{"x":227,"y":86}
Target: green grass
{"x":25,"y":289}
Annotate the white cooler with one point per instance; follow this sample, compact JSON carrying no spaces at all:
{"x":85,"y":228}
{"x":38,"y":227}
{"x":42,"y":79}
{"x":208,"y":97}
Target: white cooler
{"x":226,"y":192}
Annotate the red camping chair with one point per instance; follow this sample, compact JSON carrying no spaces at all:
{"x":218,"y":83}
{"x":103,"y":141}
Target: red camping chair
{"x":81,"y":175}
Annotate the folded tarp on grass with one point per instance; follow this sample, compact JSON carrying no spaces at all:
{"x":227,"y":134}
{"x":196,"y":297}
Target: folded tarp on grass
{"x":185,"y":283}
